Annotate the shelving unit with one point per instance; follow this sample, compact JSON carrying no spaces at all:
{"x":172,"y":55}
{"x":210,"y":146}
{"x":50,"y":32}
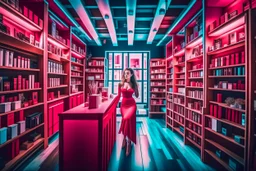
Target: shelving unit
{"x":95,"y":73}
{"x":157,"y":87}
{"x":226,"y":68}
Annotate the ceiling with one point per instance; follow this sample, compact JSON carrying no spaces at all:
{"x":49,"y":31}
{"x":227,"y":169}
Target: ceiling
{"x":147,"y":21}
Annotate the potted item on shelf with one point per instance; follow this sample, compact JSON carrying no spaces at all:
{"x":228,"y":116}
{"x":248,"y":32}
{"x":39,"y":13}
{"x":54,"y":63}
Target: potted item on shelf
{"x":94,"y":98}
{"x":232,"y":38}
{"x":230,"y":101}
{"x":217,"y":44}
{"x":239,"y":103}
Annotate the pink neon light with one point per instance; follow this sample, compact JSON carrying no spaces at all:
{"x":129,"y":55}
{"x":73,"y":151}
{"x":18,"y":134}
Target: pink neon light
{"x":55,"y":42}
{"x":228,"y":27}
{"x":195,"y":42}
{"x":20,"y":19}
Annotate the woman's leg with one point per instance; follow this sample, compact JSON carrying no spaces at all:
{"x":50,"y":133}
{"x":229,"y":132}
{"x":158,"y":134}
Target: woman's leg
{"x":124,"y":142}
{"x":128,"y":147}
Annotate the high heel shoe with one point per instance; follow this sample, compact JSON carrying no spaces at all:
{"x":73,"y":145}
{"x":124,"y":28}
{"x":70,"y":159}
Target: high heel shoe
{"x":128,"y":148}
{"x":124,"y":143}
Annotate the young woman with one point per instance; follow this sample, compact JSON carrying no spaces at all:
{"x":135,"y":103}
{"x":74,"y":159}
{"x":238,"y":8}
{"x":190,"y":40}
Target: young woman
{"x":127,"y":87}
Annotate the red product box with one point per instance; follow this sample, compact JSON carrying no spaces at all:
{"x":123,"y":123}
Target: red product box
{"x":6,"y":86}
{"x":232,"y":59}
{"x":234,"y":86}
{"x":219,"y":98}
{"x":16,"y":145}
{"x":25,"y":11}
{"x":19,"y":82}
{"x":19,"y":116}
{"x":27,"y":84}
{"x":219,"y":112}
{"x":237,"y":58}
{"x":242,"y":57}
{"x":35,"y":97}
{"x":30,"y":13}
{"x":10,"y":119}
{"x":2,"y":99}
{"x":23,"y":83}
{"x":233,"y":116}
{"x":15,"y":98}
{"x":215,"y":110}
{"x":15,"y":83}
{"x":229,"y":115}
{"x":236,"y":116}
{"x":30,"y":102}
{"x":10,"y":99}
{"x":35,"y":19}
{"x":40,"y":23}
{"x":227,"y":60}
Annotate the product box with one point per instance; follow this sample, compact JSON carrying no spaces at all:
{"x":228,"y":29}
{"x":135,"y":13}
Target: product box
{"x":216,"y":125}
{"x":30,"y":13}
{"x":25,"y":11}
{"x":12,"y":131}
{"x":1,"y":57}
{"x":16,"y":105}
{"x":36,"y":19}
{"x":239,"y":139}
{"x":21,"y":127}
{"x":220,"y":154}
{"x":5,"y":107}
{"x":26,"y":145}
{"x":234,"y":165}
{"x":3,"y":135}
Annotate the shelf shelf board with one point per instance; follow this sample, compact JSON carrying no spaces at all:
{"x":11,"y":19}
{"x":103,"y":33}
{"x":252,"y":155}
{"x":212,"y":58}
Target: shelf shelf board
{"x":56,"y":99}
{"x":157,"y":66}
{"x":95,"y":66}
{"x":182,"y":64}
{"x":169,"y":73}
{"x":94,"y":72}
{"x":179,"y":94}
{"x":178,"y":122}
{"x":157,"y":98}
{"x":196,"y":58}
{"x":227,"y":48}
{"x":227,"y":76}
{"x":227,"y":122}
{"x":156,"y":79}
{"x":168,"y":67}
{"x":227,"y":151}
{"x":169,"y":124}
{"x":99,"y":79}
{"x":195,"y":78}
{"x":224,"y":164}
{"x":19,"y":91}
{"x":194,"y":87}
{"x":76,"y":70}
{"x":194,"y":122}
{"x":222,"y":89}
{"x":227,"y":66}
{"x":77,"y":84}
{"x":194,"y":70}
{"x":161,"y":113}
{"x":60,"y":86}
{"x":180,"y":72}
{"x":19,"y":69}
{"x":169,"y":92}
{"x":157,"y":104}
{"x":157,"y":73}
{"x":169,"y":78}
{"x":194,"y":110}
{"x":57,"y":74}
{"x":169,"y":100}
{"x":180,"y":53}
{"x":56,"y":42}
{"x":21,"y":135}
{"x":169,"y":84}
{"x":20,"y":109}
{"x":180,"y":78}
{"x":73,"y":76}
{"x":193,"y":142}
{"x":193,"y":132}
{"x":77,"y":54}
{"x":178,"y":130}
{"x":195,"y":42}
{"x":183,"y":105}
{"x":177,"y":113}
{"x":57,"y":57}
{"x":169,"y":58}
{"x":194,"y":98}
{"x":180,"y":85}
{"x":228,"y":26}
{"x":226,"y":106}
{"x":157,"y":86}
{"x":14,"y":15}
{"x":80,"y":92}
{"x":22,"y":154}
{"x":157,"y":92}
{"x":18,"y":44}
{"x":78,"y":64}
{"x":224,"y":137}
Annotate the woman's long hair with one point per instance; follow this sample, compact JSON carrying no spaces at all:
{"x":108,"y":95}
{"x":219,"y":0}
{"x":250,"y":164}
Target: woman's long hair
{"x":133,"y":79}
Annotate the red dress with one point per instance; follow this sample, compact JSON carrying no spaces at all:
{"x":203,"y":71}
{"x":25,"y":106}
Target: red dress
{"x":128,"y":112}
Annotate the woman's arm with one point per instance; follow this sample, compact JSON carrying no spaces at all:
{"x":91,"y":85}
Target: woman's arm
{"x":136,"y":92}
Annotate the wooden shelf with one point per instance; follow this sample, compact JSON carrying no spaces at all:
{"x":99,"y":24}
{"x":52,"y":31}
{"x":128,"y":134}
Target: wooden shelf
{"x":95,"y":66}
{"x":194,"y":110}
{"x":193,"y":132}
{"x":23,"y":108}
{"x":230,"y":25}
{"x":18,"y":44}
{"x":194,"y":70}
{"x":78,"y":64}
{"x":180,"y":85}
{"x":77,"y":54}
{"x":224,"y":164}
{"x":22,"y":154}
{"x":12,"y":14}
{"x":195,"y":42}
{"x":76,"y":70}
{"x":227,"y":76}
{"x":179,"y":123}
{"x":157,"y":86}
{"x":194,"y":87}
{"x":157,"y":113}
{"x":157,"y":92}
{"x":194,"y":98}
{"x":222,"y":89}
{"x":63,"y":74}
{"x":19,"y":69}
{"x":20,"y":135}
{"x":158,"y":66}
{"x":19,"y":91}
{"x":177,"y":113}
{"x":157,"y":104}
{"x":195,"y":78}
{"x":157,"y":73}
{"x":56,"y":99}
{"x":226,"y":106}
{"x":61,"y":86}
{"x":193,"y":142}
{"x":227,"y":66}
{"x":73,"y":76}
{"x":180,"y":72}
{"x":183,"y":105}
{"x":196,"y":58}
{"x":57,"y":57}
{"x":182,"y":64}
{"x":224,"y":137}
{"x":194,"y":122}
{"x":73,"y":94}
{"x":180,"y":78}
{"x":55,"y":41}
{"x":179,"y":94}
{"x":157,"y":98}
{"x":227,"y":48}
{"x":94,"y":72}
{"x":227,"y":122}
{"x":178,"y":130}
{"x":180,"y":53}
{"x":77,"y":84}
{"x":228,"y":152}
{"x":156,"y":79}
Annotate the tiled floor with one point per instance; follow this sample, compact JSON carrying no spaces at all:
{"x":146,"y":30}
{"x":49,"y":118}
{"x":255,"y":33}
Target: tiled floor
{"x":157,"y":148}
